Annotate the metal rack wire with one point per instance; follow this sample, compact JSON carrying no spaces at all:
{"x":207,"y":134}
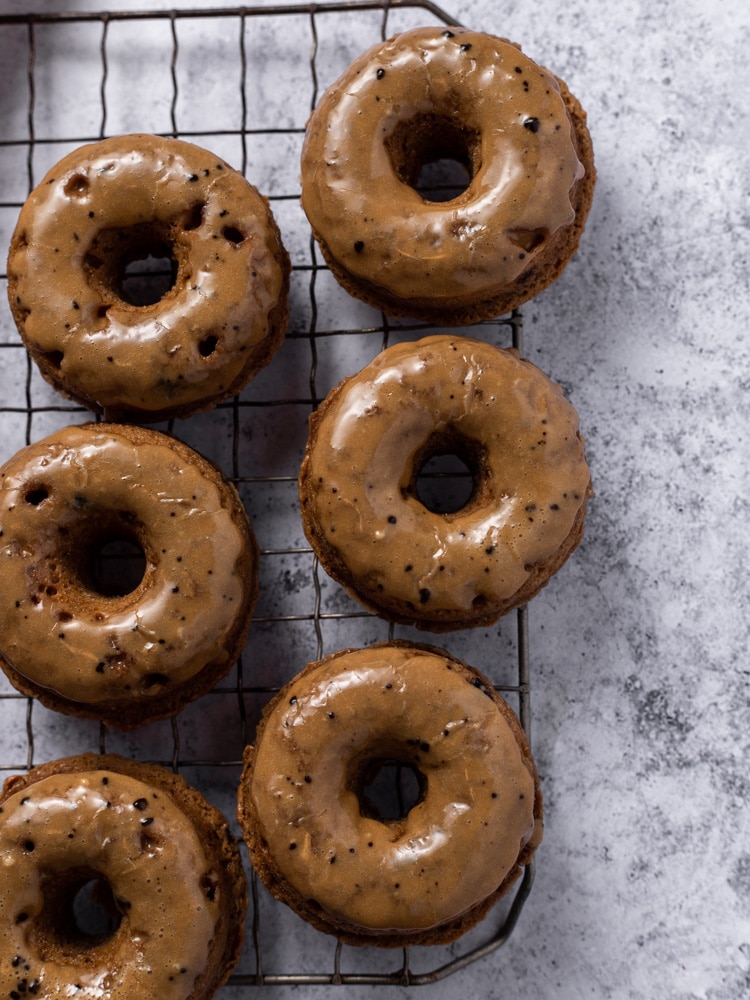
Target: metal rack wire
{"x":303,"y":615}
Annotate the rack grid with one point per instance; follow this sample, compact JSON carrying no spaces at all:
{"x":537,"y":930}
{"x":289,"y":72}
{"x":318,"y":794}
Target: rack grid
{"x":203,"y":75}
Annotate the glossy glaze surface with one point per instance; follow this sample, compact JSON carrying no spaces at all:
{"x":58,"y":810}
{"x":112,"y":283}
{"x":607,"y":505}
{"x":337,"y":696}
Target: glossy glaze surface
{"x":523,"y":164}
{"x":453,"y":849}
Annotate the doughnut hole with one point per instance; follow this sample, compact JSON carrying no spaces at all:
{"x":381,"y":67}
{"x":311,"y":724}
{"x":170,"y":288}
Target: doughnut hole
{"x":445,"y":484}
{"x":138,"y":265}
{"x":387,"y":787}
{"x":119,"y":565}
{"x":449,"y":473}
{"x":105,"y":555}
{"x":79,"y":916}
{"x":434,"y":155}
{"x":145,"y":280}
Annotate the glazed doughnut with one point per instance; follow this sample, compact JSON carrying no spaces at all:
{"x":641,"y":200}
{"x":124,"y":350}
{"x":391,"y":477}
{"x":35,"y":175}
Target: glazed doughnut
{"x":359,"y":491}
{"x":163,"y":861}
{"x":433,"y":94}
{"x":111,"y":203}
{"x":316,"y":843}
{"x":124,"y":658}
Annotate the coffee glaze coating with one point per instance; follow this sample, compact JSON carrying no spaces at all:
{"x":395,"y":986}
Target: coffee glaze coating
{"x":122,"y":199}
{"x":132,"y":658}
{"x":167,"y":858}
{"x":430,"y":94}
{"x":359,"y":495}
{"x":425,"y":878}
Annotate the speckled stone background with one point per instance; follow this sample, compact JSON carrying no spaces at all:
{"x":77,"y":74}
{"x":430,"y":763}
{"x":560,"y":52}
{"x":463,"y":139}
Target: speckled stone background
{"x":639,"y":647}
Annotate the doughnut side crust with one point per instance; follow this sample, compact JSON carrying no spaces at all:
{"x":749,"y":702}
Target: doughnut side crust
{"x":110,"y":203}
{"x":206,"y":872}
{"x":359,"y":483}
{"x":529,"y":156}
{"x":426,"y":878}
{"x":141,"y":656}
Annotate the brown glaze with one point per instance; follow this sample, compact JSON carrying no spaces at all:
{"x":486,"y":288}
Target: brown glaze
{"x":120,"y":199}
{"x":361,"y":508}
{"x":169,"y":864}
{"x":133,"y":657}
{"x":423,"y":878}
{"x":433,"y":93}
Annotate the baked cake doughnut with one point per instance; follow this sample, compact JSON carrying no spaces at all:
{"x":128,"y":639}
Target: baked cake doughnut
{"x":124,"y":199}
{"x":162,"y":861}
{"x":359,"y":491}
{"x":316,"y":842}
{"x":433,"y":94}
{"x":158,"y":641}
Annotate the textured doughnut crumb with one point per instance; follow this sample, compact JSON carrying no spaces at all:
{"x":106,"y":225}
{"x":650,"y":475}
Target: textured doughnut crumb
{"x":175,"y":347}
{"x":160,"y":861}
{"x":367,"y":877}
{"x":430,"y":95}
{"x":359,"y":484}
{"x":139,"y":650}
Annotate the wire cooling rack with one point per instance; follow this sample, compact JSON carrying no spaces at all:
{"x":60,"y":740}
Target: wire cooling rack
{"x":242,"y":82}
